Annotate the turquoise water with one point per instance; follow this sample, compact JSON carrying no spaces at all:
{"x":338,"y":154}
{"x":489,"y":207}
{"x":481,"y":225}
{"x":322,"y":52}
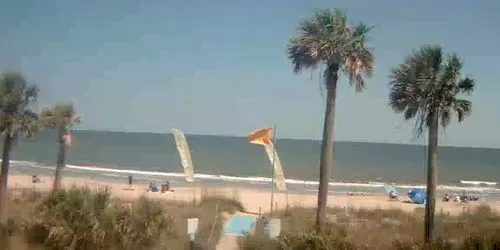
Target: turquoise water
{"x":356,"y":162}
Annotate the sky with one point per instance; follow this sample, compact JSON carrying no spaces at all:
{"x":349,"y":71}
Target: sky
{"x":219,"y":67}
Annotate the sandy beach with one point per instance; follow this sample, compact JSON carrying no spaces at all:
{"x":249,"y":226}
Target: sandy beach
{"x":252,"y":200}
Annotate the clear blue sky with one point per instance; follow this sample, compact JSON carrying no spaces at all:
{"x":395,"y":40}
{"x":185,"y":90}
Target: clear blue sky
{"x":218,"y":67}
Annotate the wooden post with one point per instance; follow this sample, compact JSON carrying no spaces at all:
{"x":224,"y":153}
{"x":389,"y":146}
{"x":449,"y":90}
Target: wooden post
{"x":215,"y":220}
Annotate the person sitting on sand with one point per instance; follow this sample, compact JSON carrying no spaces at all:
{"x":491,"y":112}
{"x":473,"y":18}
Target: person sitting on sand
{"x":165,"y":187}
{"x":446,"y":198}
{"x":153,"y":187}
{"x":392,"y":195}
{"x":35,"y":179}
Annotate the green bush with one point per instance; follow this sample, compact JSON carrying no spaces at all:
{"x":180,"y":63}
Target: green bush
{"x":79,"y":218}
{"x":329,"y":239}
{"x":482,"y":242}
{"x":259,"y":242}
{"x":439,"y":244}
{"x":143,"y":226}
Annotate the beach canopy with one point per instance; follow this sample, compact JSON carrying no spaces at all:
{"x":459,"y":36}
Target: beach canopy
{"x":417,"y":195}
{"x":390,"y":188}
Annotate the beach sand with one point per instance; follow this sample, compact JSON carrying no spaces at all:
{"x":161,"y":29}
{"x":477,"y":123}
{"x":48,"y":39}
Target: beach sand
{"x":254,"y":201}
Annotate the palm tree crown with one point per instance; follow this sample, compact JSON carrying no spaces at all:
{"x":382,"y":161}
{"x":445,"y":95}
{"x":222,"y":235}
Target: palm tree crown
{"x":328,"y":40}
{"x":16,"y":100}
{"x":60,"y":114}
{"x":427,"y":82}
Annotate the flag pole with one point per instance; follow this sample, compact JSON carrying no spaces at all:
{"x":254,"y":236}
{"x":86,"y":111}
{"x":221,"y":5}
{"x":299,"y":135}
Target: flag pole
{"x":272,"y":167}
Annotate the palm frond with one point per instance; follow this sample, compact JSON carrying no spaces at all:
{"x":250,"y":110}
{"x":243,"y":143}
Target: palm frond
{"x":300,"y":57}
{"x":463,"y":108}
{"x":466,"y":85}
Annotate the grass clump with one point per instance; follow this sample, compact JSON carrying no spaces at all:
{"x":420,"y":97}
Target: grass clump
{"x":80,"y":218}
{"x":329,"y":239}
{"x":145,"y":225}
{"x":351,"y":228}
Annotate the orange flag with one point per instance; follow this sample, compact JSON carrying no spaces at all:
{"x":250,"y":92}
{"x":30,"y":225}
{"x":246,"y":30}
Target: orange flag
{"x":261,"y":136}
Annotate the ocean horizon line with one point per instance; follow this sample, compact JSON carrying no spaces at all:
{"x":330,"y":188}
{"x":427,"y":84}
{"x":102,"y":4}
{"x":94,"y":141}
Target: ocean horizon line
{"x":285,"y":138}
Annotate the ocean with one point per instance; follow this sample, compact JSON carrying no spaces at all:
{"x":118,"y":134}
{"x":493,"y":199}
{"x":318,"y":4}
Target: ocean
{"x":225,"y":160}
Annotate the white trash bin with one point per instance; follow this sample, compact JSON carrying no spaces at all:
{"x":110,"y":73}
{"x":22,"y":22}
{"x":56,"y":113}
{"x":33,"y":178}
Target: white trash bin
{"x":272,"y":227}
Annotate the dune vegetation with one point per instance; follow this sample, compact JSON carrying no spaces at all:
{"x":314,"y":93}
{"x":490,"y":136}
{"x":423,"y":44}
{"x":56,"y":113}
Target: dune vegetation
{"x":349,"y":228}
{"x":84,"y":218}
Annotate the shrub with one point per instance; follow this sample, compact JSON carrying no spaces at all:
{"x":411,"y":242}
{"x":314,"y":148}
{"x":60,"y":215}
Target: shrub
{"x":259,"y":242}
{"x":71,"y":218}
{"x":79,"y":218}
{"x":143,"y":226}
{"x":482,"y":242}
{"x":331,"y":238}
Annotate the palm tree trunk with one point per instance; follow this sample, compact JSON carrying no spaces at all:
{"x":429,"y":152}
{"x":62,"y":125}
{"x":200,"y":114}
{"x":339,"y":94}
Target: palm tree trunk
{"x":326,"y":161}
{"x":61,"y":155}
{"x":430,"y":205}
{"x":4,"y":174}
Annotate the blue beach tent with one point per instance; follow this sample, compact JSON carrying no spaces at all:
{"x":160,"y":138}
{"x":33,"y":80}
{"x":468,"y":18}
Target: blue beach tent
{"x":417,"y":195}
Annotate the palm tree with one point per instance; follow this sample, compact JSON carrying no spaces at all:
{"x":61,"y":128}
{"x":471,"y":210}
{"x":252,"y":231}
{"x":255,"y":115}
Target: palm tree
{"x":428,"y":87}
{"x":60,"y":117}
{"x":328,"y":42}
{"x":17,"y":120}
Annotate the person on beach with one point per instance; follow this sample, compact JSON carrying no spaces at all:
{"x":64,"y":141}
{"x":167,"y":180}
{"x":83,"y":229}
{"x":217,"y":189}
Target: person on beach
{"x":165,"y":187}
{"x":153,"y":187}
{"x":446,"y":198}
{"x":35,"y":179}
{"x":392,"y":195}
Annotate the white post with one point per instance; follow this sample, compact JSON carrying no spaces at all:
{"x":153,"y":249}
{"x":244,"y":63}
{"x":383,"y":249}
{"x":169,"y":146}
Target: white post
{"x":192,"y":227}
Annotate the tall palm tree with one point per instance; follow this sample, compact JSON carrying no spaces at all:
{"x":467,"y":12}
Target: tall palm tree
{"x":60,"y":117}
{"x":428,"y":87}
{"x":329,"y":43}
{"x":17,"y":120}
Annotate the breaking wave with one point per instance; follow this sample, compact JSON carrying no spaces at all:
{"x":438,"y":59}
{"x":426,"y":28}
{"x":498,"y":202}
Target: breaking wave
{"x":476,"y":186}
